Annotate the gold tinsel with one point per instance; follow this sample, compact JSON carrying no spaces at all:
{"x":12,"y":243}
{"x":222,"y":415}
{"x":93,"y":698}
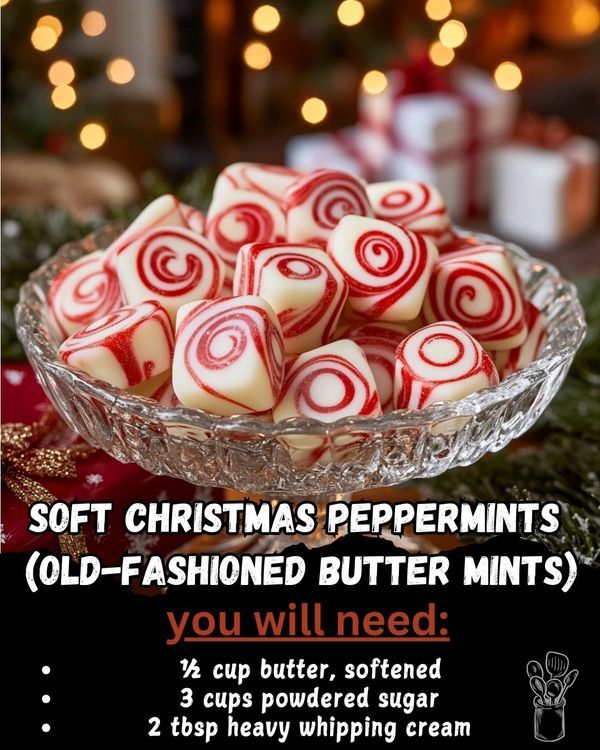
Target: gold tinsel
{"x":25,"y":458}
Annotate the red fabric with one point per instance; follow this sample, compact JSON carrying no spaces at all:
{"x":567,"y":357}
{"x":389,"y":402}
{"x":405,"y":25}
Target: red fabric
{"x":98,"y":478}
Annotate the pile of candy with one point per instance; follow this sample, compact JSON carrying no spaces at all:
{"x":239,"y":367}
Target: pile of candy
{"x":297,"y":295}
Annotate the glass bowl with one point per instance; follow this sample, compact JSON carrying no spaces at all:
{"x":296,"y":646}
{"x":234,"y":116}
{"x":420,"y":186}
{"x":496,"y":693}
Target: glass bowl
{"x":254,"y":456}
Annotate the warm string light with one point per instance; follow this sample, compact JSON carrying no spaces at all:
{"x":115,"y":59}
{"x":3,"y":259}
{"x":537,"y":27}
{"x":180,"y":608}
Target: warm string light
{"x":52,"y":22}
{"x":453,"y":33}
{"x":63,"y":97}
{"x":374,"y":82}
{"x":440,"y":55}
{"x":61,"y":73}
{"x":43,"y":38}
{"x":314,"y":110}
{"x":120,"y":70}
{"x":257,"y":55}
{"x":437,"y":10}
{"x":586,"y":18}
{"x":508,"y":76}
{"x":93,"y":23}
{"x":3,"y":3}
{"x":350,"y":12}
{"x":92,"y":135}
{"x":265,"y":19}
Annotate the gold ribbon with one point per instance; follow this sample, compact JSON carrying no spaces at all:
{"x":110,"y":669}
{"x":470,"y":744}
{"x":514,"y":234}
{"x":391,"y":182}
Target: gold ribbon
{"x":27,"y":457}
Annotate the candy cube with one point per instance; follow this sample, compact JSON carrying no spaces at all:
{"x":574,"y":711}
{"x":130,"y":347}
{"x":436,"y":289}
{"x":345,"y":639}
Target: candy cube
{"x":83,"y":292}
{"x":228,"y":356}
{"x":301,"y":284}
{"x":513,"y":360}
{"x":194,"y":218}
{"x":159,"y":389}
{"x":315,"y":203}
{"x":269,"y":179}
{"x":125,"y":347}
{"x":387,"y":268}
{"x":171,"y":265}
{"x":440,"y":362}
{"x":479,"y":290}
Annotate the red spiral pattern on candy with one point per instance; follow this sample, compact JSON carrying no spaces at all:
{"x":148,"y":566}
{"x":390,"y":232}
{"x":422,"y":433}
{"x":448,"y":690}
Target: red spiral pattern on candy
{"x":241,"y":327}
{"x":247,"y":176}
{"x":453,"y":286}
{"x":81,"y":293}
{"x":399,"y":267}
{"x":332,"y":194}
{"x":409,"y":205}
{"x":421,"y":372}
{"x":259,"y":227}
{"x":155,"y":257}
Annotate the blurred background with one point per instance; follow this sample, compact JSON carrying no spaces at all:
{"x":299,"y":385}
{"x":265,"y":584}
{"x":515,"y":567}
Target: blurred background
{"x":108,"y":103}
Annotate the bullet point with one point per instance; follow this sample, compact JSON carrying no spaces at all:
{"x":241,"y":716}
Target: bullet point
{"x":45,"y":669}
{"x":45,"y":699}
{"x":45,"y":728}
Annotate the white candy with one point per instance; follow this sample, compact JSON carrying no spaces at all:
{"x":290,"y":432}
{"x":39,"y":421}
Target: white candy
{"x":269,"y":179}
{"x":171,"y":265}
{"x":440,"y":362}
{"x":301,"y":284}
{"x":236,"y":217}
{"x":82,"y":292}
{"x":386,"y":267}
{"x":513,"y":360}
{"x":194,"y":218}
{"x":228,"y":356}
{"x":411,"y":205}
{"x":159,"y":389}
{"x":161,"y":212}
{"x":479,"y":290}
{"x":315,"y":203}
{"x":124,"y":348}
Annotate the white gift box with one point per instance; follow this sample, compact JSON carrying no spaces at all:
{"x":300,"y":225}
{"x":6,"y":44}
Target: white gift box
{"x":358,"y":150}
{"x":544,"y":197}
{"x":447,"y":139}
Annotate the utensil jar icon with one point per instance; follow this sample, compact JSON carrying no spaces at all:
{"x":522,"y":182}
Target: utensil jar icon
{"x":549,"y":721}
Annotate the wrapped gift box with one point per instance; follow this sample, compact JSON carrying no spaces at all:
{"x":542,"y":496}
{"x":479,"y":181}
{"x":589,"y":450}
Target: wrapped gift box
{"x":99,"y":477}
{"x":544,"y":196}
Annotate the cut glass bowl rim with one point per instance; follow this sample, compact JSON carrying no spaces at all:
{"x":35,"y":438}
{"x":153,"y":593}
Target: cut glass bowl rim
{"x":36,"y":337}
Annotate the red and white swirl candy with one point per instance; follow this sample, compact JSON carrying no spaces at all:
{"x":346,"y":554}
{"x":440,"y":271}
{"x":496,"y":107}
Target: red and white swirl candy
{"x":329,"y":383}
{"x":269,"y":179}
{"x":125,"y":347}
{"x":162,"y":212}
{"x":379,"y":342}
{"x":159,"y":389}
{"x":236,"y":217}
{"x":513,"y":360}
{"x":82,"y":292}
{"x":171,"y":265}
{"x":479,"y":290}
{"x":440,"y":362}
{"x":411,"y":205}
{"x":300,"y":283}
{"x":315,"y":203}
{"x":229,"y":356}
{"x":387,"y":268}
{"x":194,"y":218}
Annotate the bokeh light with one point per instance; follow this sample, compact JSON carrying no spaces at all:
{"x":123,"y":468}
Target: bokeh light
{"x":314,"y":110}
{"x":52,"y":22}
{"x":43,"y":38}
{"x":508,"y":76}
{"x":374,"y":82}
{"x":265,"y":19}
{"x":93,"y":23}
{"x":257,"y":55}
{"x":120,"y":70}
{"x":440,"y":55}
{"x":586,"y":18}
{"x":437,"y":10}
{"x":61,"y":73}
{"x":350,"y":12}
{"x":92,"y":135}
{"x":63,"y":97}
{"x":453,"y":34}
{"x":3,"y":3}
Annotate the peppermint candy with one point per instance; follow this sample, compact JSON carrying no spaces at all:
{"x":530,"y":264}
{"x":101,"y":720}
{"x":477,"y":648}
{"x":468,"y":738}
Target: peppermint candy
{"x":82,"y":292}
{"x":162,"y":212}
{"x":513,"y":360}
{"x":171,"y":265}
{"x":379,"y":342}
{"x":315,"y":203}
{"x":440,"y":362}
{"x":412,"y":205}
{"x":479,"y":290}
{"x":159,"y":389}
{"x":387,"y":268}
{"x":300,"y":283}
{"x":236,"y":217}
{"x":193,"y":217}
{"x":267,"y":179}
{"x":229,"y":356}
{"x":129,"y":345}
